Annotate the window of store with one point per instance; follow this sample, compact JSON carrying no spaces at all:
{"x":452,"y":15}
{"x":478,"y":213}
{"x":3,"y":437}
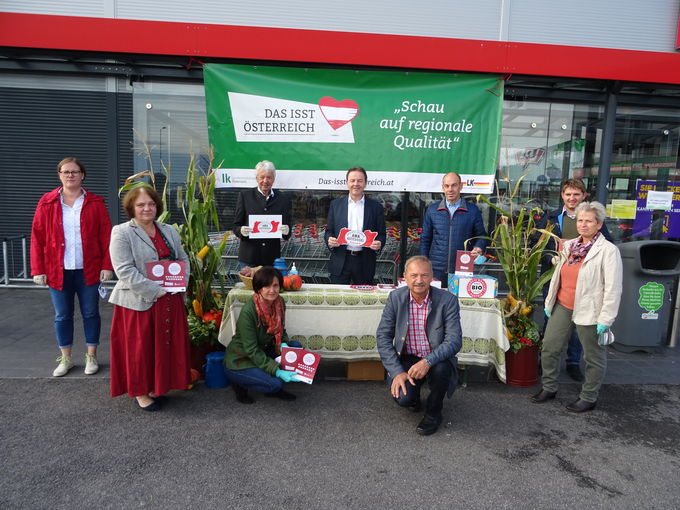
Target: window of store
{"x":646,"y":152}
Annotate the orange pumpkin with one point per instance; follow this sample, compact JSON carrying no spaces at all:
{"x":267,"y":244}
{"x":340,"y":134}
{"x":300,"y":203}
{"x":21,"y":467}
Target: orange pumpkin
{"x":287,"y":283}
{"x":195,"y":375}
{"x":296,"y":282}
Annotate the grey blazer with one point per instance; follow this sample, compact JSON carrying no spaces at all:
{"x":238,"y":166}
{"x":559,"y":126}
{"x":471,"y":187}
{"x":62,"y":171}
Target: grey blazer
{"x":130,"y":249}
{"x":442,"y":327}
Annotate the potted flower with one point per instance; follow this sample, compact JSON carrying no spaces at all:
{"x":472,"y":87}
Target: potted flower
{"x":204,"y":304}
{"x":519,"y":246}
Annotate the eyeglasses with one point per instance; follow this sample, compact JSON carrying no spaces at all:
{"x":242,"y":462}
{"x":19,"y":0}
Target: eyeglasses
{"x":70,"y":172}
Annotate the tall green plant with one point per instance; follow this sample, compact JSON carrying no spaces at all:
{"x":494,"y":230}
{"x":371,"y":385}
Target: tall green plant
{"x":519,"y":246}
{"x":199,"y":210}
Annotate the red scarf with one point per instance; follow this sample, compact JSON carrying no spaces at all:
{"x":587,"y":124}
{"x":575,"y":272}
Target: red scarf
{"x":578,"y":250}
{"x":273,"y":316}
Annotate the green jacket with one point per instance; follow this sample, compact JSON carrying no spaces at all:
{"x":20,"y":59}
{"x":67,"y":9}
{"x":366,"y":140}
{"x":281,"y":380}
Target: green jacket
{"x":248,"y":345}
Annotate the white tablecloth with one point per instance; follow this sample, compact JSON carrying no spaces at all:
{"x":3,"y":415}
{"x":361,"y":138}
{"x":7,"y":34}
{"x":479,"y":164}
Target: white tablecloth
{"x":340,"y":323}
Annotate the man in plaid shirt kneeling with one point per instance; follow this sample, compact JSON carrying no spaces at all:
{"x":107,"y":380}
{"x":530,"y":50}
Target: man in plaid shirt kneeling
{"x":418,"y":338}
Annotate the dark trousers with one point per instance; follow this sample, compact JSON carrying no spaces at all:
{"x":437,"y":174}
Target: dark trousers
{"x":353,"y":271}
{"x":438,"y":379}
{"x":257,"y":379}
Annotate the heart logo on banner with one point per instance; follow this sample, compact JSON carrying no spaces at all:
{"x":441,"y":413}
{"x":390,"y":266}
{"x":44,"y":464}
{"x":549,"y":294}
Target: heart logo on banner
{"x":338,"y":113}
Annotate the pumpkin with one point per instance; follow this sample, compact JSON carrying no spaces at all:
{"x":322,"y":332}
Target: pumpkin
{"x":296,"y":282}
{"x":287,"y":283}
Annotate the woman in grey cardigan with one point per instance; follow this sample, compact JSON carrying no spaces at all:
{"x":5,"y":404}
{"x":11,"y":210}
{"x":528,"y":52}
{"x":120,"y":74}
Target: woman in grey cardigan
{"x":149,"y":331}
{"x":585,"y":292}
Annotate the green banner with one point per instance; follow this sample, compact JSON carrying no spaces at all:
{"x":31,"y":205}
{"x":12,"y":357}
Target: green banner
{"x":406,"y":129}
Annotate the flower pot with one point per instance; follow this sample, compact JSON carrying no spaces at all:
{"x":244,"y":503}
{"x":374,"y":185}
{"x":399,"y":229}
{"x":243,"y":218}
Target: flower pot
{"x":522,"y":367}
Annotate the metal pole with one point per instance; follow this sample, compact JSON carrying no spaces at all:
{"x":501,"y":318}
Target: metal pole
{"x":607,"y":143}
{"x":23,"y":250}
{"x":4,"y":261}
{"x":404,"y":231}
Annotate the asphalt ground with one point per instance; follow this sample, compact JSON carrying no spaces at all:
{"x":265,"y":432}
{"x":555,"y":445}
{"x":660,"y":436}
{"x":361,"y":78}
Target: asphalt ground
{"x":64,"y":443}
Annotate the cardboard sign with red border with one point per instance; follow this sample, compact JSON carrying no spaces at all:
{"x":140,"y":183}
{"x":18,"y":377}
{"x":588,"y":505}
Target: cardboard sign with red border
{"x":170,"y":274}
{"x":356,"y":237}
{"x":304,"y":363}
{"x":265,"y":226}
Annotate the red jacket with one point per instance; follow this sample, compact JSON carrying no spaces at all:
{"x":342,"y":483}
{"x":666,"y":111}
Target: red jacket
{"x":47,"y":239}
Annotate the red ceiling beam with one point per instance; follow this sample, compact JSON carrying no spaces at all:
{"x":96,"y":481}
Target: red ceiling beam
{"x":318,"y":46}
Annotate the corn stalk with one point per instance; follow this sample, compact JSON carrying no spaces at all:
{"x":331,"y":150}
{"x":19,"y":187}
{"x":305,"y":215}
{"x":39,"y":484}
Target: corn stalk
{"x":199,"y":210}
{"x":519,"y":246}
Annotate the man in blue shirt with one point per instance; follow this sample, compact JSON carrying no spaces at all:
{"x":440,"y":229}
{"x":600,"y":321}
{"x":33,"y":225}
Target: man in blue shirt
{"x":446,"y":227}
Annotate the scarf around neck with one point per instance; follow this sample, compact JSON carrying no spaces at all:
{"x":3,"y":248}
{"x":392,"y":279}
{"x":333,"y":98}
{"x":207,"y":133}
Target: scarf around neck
{"x":578,"y":250}
{"x":271,"y":316}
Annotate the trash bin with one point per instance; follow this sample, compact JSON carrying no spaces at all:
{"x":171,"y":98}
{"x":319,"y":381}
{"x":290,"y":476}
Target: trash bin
{"x":650,"y":270}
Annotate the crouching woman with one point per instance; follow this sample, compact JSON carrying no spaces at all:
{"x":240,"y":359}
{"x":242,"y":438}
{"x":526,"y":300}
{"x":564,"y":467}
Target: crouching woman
{"x":250,"y":358}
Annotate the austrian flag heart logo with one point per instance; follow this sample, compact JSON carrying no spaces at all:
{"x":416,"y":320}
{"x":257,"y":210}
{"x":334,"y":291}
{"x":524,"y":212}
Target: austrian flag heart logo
{"x":338,"y":113}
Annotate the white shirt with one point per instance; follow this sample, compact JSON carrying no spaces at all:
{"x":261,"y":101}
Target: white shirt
{"x":73,"y":243}
{"x":355,"y":217}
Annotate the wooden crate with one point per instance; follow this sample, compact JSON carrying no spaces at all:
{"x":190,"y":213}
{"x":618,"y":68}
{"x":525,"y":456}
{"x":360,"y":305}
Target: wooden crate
{"x":371,"y":370}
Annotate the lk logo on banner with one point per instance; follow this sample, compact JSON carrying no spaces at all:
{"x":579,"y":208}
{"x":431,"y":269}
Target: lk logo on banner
{"x":406,"y":129}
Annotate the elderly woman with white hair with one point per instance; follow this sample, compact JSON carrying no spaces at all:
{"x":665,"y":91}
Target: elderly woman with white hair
{"x":262,"y":199}
{"x":585,"y":292}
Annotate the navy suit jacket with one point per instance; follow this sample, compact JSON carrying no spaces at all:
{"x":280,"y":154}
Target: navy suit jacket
{"x":442,"y":327}
{"x":374,"y":219}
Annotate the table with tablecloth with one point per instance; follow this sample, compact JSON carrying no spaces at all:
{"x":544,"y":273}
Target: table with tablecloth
{"x":339,"y":322}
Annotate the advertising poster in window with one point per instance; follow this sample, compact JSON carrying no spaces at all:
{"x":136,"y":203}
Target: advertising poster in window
{"x":405,"y":128}
{"x":659,"y":212}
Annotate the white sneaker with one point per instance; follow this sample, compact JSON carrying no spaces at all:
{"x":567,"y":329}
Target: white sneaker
{"x":91,"y":365}
{"x":65,"y":364}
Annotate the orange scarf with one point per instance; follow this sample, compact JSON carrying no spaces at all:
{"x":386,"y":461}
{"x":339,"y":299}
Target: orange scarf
{"x":273,"y":316}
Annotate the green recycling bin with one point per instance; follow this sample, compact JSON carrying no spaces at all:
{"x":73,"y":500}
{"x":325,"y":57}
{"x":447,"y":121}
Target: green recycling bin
{"x":650,"y":272}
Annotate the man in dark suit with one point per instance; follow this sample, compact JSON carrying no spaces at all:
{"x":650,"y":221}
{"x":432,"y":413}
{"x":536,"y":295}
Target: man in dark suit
{"x":260,"y":200}
{"x":418,"y":337}
{"x":349,"y":263}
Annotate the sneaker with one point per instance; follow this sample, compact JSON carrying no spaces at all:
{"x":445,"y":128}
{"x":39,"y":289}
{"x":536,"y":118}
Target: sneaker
{"x":91,"y":365}
{"x":65,"y":364}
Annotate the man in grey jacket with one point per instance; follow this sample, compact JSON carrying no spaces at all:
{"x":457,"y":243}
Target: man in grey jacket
{"x":418,"y":338}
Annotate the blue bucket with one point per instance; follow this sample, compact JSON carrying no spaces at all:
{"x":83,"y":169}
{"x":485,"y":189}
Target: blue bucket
{"x":215,"y":377}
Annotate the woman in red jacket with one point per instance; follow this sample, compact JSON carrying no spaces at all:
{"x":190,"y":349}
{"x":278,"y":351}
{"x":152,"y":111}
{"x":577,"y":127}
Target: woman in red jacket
{"x":70,"y":254}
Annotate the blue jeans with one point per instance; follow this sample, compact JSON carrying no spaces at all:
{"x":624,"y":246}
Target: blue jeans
{"x":63,"y":302}
{"x":257,"y":379}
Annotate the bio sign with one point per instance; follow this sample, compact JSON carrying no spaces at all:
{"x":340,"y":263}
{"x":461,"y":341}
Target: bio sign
{"x":405,"y":129}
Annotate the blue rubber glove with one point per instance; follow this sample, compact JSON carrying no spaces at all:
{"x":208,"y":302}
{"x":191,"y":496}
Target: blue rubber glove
{"x":547,"y":312}
{"x":601,"y":328}
{"x":283,"y":344}
{"x":481,"y":259}
{"x":286,"y":375}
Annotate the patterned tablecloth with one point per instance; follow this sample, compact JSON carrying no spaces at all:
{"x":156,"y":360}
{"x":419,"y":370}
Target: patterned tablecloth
{"x":340,"y":323}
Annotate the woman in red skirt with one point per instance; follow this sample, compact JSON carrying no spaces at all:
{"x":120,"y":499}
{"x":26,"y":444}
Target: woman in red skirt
{"x":149,"y":331}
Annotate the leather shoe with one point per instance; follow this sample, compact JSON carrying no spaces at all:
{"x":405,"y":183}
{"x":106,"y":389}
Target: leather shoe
{"x":581,"y":406}
{"x":574,"y":371}
{"x":543,"y":396}
{"x":242,"y":394}
{"x":428,"y":425}
{"x":151,"y":407}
